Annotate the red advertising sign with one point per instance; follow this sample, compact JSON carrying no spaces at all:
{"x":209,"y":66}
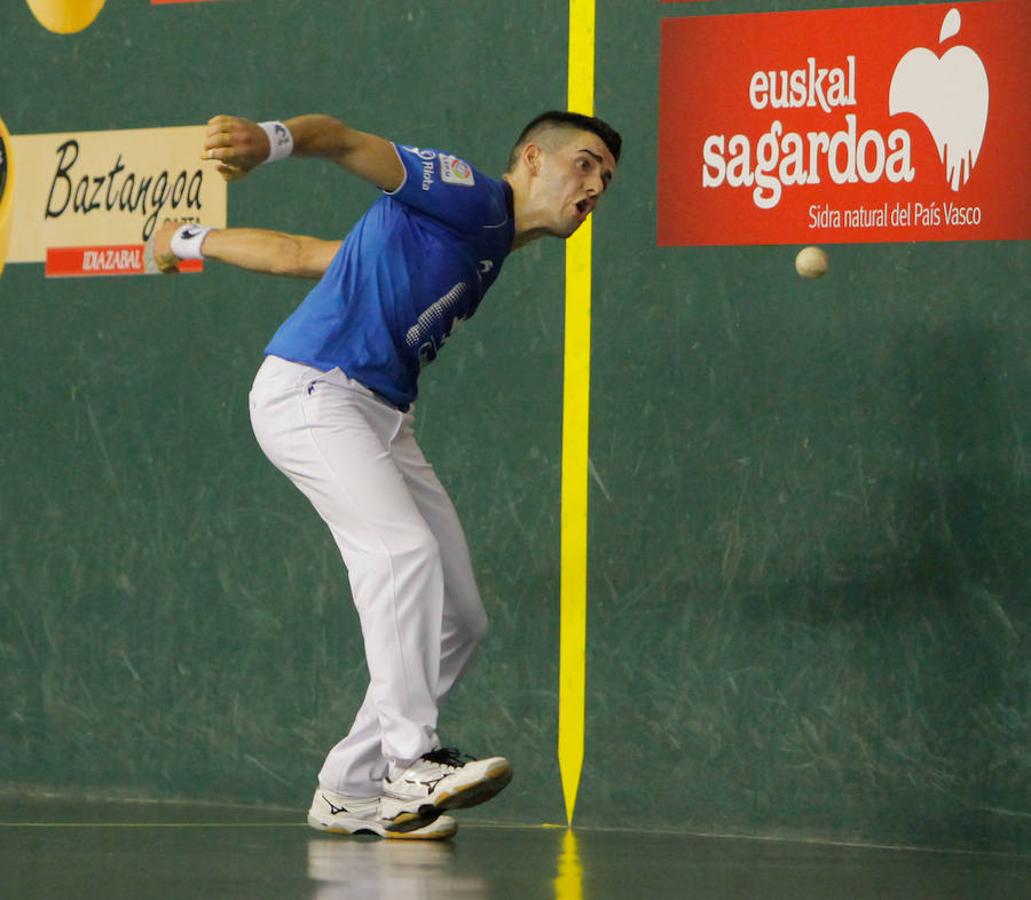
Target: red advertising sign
{"x":901,"y":123}
{"x":125,"y":259}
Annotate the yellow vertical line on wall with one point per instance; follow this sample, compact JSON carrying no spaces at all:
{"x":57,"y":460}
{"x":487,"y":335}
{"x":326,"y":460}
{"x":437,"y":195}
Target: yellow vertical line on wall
{"x":575,"y":424}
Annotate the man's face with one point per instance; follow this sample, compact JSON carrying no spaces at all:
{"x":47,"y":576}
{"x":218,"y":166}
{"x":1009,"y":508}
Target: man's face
{"x":571,"y":178}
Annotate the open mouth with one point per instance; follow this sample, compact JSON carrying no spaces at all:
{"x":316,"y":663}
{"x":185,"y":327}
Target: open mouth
{"x":583,"y":207}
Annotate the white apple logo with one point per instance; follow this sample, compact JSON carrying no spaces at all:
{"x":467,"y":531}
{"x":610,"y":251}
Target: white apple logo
{"x":949,"y":95}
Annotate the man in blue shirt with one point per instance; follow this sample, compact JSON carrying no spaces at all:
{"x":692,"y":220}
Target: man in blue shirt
{"x":331,"y":407}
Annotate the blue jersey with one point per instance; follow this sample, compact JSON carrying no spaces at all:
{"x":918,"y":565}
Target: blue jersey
{"x":417,"y":262}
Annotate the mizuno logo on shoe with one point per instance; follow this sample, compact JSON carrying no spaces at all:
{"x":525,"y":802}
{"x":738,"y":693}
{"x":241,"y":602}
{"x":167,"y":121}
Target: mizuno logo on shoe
{"x":334,"y":810}
{"x":430,"y":783}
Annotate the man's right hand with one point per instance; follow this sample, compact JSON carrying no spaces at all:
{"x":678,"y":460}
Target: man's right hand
{"x":237,"y":144}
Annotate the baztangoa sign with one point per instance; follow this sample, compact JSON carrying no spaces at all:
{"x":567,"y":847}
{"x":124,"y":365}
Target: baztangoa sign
{"x":902,"y":123}
{"x":87,"y":202}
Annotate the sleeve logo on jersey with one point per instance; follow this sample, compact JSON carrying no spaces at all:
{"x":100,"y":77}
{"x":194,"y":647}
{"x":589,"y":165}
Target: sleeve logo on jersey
{"x":422,"y":154}
{"x":427,"y":158}
{"x":456,"y":171}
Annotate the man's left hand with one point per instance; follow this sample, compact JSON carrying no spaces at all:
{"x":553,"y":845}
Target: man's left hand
{"x":165,"y":260}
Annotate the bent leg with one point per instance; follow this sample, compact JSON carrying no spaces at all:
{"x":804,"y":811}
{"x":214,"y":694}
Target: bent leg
{"x":333,"y":439}
{"x":465,"y":620}
{"x":464,"y":623}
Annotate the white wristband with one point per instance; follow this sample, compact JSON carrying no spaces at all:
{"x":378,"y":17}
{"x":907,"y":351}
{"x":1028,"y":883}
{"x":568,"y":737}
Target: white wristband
{"x":188,"y":240}
{"x":280,"y":141}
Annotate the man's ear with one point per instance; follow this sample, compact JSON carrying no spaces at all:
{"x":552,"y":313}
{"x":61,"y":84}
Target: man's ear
{"x":532,"y":157}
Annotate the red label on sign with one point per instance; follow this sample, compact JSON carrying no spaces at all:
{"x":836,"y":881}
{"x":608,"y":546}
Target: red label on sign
{"x":903,"y":123}
{"x":126,"y":259}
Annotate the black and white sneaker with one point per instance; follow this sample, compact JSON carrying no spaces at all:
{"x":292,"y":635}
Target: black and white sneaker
{"x":441,"y":780}
{"x":340,"y":814}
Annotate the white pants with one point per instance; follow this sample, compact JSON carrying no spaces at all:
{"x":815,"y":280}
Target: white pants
{"x":355,"y":458}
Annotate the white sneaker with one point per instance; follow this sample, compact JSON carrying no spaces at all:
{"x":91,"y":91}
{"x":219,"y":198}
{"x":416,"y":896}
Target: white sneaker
{"x":442,"y":780}
{"x":340,"y":814}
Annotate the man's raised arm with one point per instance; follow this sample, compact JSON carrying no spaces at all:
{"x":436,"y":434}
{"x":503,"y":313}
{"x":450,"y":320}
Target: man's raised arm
{"x":255,"y":249}
{"x":240,"y":144}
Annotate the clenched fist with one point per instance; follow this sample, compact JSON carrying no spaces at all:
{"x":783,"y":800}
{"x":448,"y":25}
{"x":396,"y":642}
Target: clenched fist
{"x":161,"y":247}
{"x":237,"y":144}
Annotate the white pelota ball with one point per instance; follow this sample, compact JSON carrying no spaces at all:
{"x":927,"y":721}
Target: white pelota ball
{"x":811,"y":262}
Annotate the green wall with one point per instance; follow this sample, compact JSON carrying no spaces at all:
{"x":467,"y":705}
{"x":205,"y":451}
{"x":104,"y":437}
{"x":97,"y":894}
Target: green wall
{"x":807,"y":588}
{"x":808,"y":572}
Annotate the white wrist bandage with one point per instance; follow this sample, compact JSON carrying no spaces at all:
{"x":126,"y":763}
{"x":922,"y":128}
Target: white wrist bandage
{"x":280,"y":141}
{"x":187,"y":241}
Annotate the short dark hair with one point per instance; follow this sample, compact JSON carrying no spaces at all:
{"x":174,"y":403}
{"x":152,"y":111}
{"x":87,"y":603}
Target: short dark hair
{"x":561,"y":119}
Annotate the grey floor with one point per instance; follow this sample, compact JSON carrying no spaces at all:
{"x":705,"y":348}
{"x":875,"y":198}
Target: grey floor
{"x":51,"y":849}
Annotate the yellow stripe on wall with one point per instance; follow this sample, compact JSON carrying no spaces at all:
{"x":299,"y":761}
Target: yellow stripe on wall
{"x":575,"y":424}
